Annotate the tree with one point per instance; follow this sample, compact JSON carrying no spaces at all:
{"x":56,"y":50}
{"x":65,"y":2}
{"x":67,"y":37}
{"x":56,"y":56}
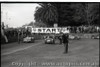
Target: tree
{"x":92,"y":12}
{"x":86,"y":13}
{"x":65,"y":13}
{"x":73,"y":14}
{"x":79,"y":14}
{"x":40,"y":24}
{"x":46,"y":14}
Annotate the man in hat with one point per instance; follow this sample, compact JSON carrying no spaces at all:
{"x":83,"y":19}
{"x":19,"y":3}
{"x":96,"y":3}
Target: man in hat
{"x":65,"y":37}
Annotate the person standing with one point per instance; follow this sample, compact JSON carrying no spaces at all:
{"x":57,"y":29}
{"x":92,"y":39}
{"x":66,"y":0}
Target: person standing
{"x":60,"y":38}
{"x":3,"y":32}
{"x":65,"y":37}
{"x":19,"y":36}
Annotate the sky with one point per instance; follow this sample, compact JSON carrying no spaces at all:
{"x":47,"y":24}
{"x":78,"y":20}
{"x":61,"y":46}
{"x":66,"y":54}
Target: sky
{"x":17,"y":14}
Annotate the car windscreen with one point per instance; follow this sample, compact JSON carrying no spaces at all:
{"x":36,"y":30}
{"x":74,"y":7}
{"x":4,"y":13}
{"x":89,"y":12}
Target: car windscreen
{"x":49,"y":36}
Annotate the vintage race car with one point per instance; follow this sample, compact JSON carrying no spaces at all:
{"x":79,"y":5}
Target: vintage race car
{"x":28,"y":39}
{"x":49,"y":39}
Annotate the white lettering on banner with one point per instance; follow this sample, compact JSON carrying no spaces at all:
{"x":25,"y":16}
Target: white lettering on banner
{"x":49,"y":30}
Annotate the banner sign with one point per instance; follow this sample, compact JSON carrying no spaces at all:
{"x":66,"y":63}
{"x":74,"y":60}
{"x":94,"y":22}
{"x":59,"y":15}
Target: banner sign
{"x":49,"y":30}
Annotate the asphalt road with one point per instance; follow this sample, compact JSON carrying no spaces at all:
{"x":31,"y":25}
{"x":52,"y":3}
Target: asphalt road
{"x":82,"y":53}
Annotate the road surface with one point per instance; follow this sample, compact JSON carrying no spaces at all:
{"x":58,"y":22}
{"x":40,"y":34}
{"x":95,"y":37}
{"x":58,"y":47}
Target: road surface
{"x":82,"y":53}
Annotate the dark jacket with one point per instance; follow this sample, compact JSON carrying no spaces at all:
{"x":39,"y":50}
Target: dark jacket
{"x":65,"y":38}
{"x":60,"y":37}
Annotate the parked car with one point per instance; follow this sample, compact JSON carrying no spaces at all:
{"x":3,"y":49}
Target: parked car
{"x":28,"y":39}
{"x":49,"y":39}
{"x":77,"y":37}
{"x":95,"y":37}
{"x":72,"y":37}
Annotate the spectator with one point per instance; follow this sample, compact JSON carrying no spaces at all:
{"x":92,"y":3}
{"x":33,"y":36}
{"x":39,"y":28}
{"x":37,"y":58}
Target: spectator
{"x":65,"y":37}
{"x":19,"y":36}
{"x":60,"y":38}
{"x":2,"y":32}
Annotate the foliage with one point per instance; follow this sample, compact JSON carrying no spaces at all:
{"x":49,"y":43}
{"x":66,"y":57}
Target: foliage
{"x":46,"y":14}
{"x":40,"y":24}
{"x":86,"y":13}
{"x":68,"y":14}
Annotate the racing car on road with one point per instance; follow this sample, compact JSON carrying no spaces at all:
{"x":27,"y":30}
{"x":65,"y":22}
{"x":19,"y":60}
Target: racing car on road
{"x":49,"y":39}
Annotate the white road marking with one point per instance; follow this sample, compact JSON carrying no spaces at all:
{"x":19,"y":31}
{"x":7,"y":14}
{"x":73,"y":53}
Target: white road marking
{"x":20,"y":49}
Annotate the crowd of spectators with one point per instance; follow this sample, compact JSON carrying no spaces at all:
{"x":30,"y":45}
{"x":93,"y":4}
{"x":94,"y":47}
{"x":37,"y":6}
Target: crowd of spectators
{"x":73,"y":29}
{"x":14,"y":33}
{"x":84,"y":29}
